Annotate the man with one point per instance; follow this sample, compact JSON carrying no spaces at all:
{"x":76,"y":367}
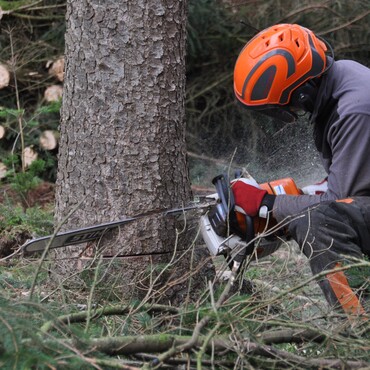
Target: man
{"x":282,"y":70}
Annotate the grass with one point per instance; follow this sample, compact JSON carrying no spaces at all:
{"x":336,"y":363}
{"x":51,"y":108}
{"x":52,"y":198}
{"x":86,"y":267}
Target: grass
{"x":267,"y":310}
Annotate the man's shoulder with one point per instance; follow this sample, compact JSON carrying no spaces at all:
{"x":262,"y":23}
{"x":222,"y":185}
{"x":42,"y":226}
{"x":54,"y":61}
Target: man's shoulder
{"x":351,"y":86}
{"x":351,"y":65}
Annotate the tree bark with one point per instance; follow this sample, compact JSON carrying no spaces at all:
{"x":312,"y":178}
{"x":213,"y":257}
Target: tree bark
{"x":122,"y":145}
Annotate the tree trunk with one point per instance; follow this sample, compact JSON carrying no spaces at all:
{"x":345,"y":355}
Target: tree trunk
{"x":122,"y":145}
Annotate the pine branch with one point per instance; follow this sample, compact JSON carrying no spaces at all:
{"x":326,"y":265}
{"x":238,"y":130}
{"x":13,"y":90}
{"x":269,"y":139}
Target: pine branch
{"x":160,"y":343}
{"x":104,"y":311}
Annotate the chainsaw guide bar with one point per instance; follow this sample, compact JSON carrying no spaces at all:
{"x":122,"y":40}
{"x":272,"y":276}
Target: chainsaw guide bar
{"x":90,"y":233}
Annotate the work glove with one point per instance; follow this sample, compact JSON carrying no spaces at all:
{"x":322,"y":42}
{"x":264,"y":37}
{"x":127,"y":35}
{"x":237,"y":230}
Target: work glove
{"x":250,"y":198}
{"x":316,"y":189}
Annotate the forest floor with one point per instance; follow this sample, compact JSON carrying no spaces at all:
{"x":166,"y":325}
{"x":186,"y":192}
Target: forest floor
{"x":284,"y":300}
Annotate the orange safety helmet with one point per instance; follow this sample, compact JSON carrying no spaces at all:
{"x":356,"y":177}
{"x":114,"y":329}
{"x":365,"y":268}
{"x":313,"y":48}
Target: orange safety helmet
{"x":274,"y":64}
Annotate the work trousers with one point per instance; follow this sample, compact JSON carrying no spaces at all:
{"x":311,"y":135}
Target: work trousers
{"x":331,"y":234}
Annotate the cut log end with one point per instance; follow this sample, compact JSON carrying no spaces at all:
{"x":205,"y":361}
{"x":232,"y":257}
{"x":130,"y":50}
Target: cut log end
{"x":2,"y":132}
{"x":3,"y":170}
{"x":53,"y":93}
{"x":49,"y":140}
{"x":57,"y":69}
{"x":4,"y":76}
{"x":29,"y":156}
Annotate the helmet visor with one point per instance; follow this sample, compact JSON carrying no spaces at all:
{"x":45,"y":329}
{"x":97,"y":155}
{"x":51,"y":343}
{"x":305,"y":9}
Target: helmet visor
{"x":282,"y":113}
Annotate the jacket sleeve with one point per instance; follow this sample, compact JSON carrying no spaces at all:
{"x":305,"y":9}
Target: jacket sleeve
{"x":349,"y":171}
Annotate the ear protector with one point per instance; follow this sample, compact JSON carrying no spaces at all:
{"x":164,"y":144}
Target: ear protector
{"x":304,"y":96}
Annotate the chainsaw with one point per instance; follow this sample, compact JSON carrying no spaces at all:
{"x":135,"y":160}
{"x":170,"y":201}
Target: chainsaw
{"x":217,"y":225}
{"x":221,"y":230}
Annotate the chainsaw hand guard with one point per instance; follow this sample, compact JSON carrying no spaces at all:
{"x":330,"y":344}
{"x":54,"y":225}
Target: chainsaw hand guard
{"x":224,"y":221}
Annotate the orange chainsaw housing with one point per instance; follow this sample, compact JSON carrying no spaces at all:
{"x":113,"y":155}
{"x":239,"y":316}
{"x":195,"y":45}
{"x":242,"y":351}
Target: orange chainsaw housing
{"x":285,"y":186}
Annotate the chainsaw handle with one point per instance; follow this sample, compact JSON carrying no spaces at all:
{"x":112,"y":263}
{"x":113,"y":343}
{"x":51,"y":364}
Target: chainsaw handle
{"x":221,"y":182}
{"x":249,"y":236}
{"x":222,"y":185}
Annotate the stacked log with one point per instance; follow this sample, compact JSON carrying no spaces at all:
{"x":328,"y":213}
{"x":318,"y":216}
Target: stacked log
{"x":49,"y":140}
{"x":2,"y":132}
{"x":3,"y":170}
{"x":53,"y":93}
{"x":29,"y":155}
{"x":4,"y":76}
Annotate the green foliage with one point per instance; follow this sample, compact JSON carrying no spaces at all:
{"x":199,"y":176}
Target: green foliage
{"x":17,"y":218}
{"x":31,"y":35}
{"x":8,"y":112}
{"x":21,"y":343}
{"x":45,"y":117}
{"x":31,"y":337}
{"x":35,"y":220}
{"x":13,"y":5}
{"x":23,"y":182}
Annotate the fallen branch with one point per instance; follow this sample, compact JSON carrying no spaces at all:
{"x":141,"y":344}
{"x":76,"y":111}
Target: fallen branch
{"x":291,"y":336}
{"x":160,"y":343}
{"x":104,"y":311}
{"x":195,"y":340}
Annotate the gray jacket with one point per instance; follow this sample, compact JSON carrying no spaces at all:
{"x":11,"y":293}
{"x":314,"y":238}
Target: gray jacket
{"x":342,"y":134}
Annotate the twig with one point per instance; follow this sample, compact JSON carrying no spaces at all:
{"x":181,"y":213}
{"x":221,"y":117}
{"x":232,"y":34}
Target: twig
{"x":12,"y":255}
{"x":20,"y":7}
{"x":293,"y":296}
{"x":105,"y":311}
{"x":46,"y":250}
{"x":185,"y":361}
{"x":344,"y":25}
{"x":306,"y":9}
{"x":114,"y":364}
{"x":209,"y":87}
{"x":89,"y":302}
{"x":196,"y":332}
{"x":205,"y":345}
{"x":19,"y":114}
{"x":129,"y":345}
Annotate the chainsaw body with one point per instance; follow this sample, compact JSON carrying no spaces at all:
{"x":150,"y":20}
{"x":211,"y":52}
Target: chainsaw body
{"x":217,"y":225}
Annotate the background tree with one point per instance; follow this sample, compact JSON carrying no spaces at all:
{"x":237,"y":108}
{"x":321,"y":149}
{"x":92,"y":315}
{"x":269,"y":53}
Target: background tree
{"x":122,"y":148}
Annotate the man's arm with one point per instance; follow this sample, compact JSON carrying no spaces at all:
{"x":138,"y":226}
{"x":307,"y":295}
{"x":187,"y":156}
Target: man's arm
{"x":349,"y":172}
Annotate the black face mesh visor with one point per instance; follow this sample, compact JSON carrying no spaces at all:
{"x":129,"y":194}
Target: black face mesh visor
{"x":282,"y":113}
